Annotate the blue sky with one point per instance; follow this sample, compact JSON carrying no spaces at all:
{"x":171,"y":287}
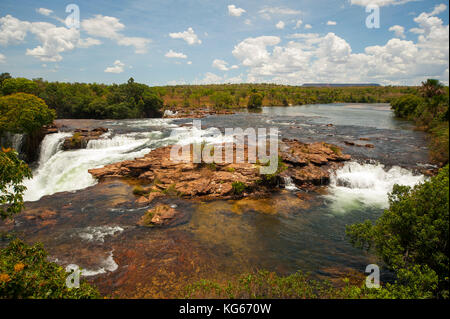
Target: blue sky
{"x":213,"y":41}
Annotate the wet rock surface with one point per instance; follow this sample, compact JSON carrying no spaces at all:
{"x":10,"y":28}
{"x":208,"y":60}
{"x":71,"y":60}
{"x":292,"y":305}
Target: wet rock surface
{"x":161,"y":215}
{"x":307,"y":164}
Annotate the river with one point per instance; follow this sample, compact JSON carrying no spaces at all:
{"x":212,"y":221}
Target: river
{"x":95,"y":225}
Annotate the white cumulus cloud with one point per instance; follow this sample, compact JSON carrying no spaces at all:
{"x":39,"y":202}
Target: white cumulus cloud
{"x":175,"y":55}
{"x":2,"y":58}
{"x":311,"y":57}
{"x":280,"y":25}
{"x":329,"y":22}
{"x":110,"y":28}
{"x":234,"y":11}
{"x":44,"y":11}
{"x":117,"y":68}
{"x":189,"y":36}
{"x":398,"y":30}
{"x":223,"y":65}
{"x":298,"y":24}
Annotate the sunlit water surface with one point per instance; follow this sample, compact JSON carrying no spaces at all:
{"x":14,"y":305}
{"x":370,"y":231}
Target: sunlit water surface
{"x":95,"y":226}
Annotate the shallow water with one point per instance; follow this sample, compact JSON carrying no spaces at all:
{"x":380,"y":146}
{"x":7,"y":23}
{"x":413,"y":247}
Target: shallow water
{"x":95,"y":226}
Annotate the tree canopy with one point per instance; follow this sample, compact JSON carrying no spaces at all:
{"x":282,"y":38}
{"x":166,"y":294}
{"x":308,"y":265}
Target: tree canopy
{"x":23,"y":113}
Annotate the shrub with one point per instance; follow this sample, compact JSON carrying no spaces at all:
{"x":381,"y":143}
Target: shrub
{"x":406,"y":105}
{"x":238,"y":188}
{"x":413,"y":232}
{"x":26,"y":273}
{"x":255,"y":101}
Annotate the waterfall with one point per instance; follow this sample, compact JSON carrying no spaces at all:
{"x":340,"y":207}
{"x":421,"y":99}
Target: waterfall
{"x":60,"y":171}
{"x":50,"y":145}
{"x":357,"y":185}
{"x":17,"y":141}
{"x":289,"y":184}
{"x":14,"y":141}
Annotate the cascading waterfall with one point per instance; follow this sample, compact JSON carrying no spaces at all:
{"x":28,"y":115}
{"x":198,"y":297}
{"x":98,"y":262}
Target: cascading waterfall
{"x":366,"y":185}
{"x":289,"y":184}
{"x":50,"y":145}
{"x":17,"y":141}
{"x":13,"y":140}
{"x":60,"y":171}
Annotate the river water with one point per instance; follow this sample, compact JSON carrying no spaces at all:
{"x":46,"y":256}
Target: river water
{"x":95,"y":224}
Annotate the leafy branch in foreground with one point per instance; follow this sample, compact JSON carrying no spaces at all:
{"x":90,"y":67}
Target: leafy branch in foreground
{"x":12,"y":172}
{"x":25,"y":272}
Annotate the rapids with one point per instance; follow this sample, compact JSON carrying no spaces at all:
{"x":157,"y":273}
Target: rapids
{"x":95,"y":223}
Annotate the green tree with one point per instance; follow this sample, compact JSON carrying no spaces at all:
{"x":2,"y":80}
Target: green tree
{"x":16,"y":85}
{"x":12,"y":172}
{"x":406,"y":105}
{"x":413,"y":232}
{"x":255,"y":101}
{"x":431,"y":87}
{"x":3,"y":77}
{"x":221,"y":99}
{"x":152,"y":105}
{"x":23,"y":113}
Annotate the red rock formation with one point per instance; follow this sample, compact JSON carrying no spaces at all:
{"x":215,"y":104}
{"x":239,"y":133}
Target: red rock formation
{"x":307,"y":164}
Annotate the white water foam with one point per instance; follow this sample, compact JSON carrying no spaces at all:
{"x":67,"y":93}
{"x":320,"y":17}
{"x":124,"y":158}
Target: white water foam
{"x":106,"y":265}
{"x":60,"y":171}
{"x":289,"y":184}
{"x":366,"y":185}
{"x":50,"y":145}
{"x":98,"y":233}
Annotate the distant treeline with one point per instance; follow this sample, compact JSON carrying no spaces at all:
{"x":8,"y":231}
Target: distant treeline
{"x":97,"y":101}
{"x":237,"y":95}
{"x":135,"y":100}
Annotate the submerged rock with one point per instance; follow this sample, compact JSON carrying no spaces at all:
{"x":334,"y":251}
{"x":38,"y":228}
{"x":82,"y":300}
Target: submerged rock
{"x":161,"y":215}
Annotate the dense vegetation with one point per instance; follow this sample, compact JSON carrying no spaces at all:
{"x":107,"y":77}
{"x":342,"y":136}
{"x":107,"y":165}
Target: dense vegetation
{"x":243,"y":95}
{"x":79,"y":100}
{"x":134,"y":100}
{"x":411,"y":238}
{"x":25,"y":272}
{"x":23,"y":113}
{"x":428,"y":108}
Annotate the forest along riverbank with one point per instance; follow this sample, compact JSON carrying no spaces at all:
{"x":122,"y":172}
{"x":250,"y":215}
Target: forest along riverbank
{"x":96,"y":225}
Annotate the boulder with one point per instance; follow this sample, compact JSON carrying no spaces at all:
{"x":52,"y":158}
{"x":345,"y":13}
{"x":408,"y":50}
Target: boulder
{"x":81,"y":137}
{"x":161,"y":215}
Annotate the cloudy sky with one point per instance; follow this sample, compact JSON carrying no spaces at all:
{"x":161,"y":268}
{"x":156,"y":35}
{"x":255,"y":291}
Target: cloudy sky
{"x":214,"y":41}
